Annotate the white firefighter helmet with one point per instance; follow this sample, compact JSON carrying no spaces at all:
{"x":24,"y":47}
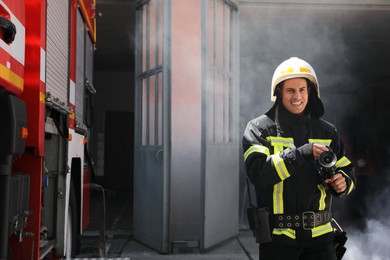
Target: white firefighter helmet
{"x":293,"y":68}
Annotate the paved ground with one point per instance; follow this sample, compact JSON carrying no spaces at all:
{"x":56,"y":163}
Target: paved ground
{"x":119,"y":243}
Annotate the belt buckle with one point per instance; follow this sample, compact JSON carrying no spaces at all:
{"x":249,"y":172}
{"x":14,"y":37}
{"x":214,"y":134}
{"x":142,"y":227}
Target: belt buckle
{"x":306,"y":219}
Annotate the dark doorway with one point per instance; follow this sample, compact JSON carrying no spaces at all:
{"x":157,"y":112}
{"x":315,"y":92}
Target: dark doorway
{"x":119,"y":150}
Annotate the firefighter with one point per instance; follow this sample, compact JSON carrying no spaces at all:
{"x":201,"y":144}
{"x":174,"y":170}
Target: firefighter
{"x":282,"y":149}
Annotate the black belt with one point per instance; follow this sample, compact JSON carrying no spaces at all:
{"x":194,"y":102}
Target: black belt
{"x":306,"y":220}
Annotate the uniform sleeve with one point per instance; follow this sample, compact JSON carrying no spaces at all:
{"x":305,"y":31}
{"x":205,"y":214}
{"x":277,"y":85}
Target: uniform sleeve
{"x":263,"y":166}
{"x":343,"y":165}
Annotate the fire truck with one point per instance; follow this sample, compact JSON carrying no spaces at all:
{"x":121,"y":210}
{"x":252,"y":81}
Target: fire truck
{"x":46,"y":96}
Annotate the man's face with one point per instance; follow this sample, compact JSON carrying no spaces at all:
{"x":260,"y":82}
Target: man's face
{"x":295,"y":95}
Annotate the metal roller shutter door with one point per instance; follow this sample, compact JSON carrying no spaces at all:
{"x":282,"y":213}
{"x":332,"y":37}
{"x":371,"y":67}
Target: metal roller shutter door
{"x":80,"y":61}
{"x":89,"y":49}
{"x":57,"y":49}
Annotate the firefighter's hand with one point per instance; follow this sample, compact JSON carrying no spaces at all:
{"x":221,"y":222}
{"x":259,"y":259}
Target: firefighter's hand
{"x":338,"y":182}
{"x":318,"y":149}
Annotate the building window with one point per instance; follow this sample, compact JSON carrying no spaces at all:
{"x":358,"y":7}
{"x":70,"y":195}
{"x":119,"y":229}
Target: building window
{"x":150,"y":28}
{"x":220,"y":48}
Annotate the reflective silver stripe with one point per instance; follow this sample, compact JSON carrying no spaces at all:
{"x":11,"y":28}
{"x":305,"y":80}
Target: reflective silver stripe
{"x":343,"y":162}
{"x":278,"y":198}
{"x":325,"y":142}
{"x":280,"y":167}
{"x":281,"y":141}
{"x":321,"y":230}
{"x":256,"y":149}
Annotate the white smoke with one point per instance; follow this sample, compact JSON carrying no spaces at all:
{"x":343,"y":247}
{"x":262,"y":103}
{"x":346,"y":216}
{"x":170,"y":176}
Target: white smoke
{"x":373,"y":241}
{"x":370,"y":244}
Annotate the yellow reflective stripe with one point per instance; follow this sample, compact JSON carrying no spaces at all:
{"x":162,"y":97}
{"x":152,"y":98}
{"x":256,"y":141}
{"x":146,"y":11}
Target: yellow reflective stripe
{"x":315,"y":232}
{"x":278,"y":198}
{"x":343,"y":162}
{"x":322,"y":203}
{"x":256,"y":149}
{"x":280,"y":167}
{"x":302,"y":69}
{"x":321,"y":230}
{"x":291,"y":70}
{"x":325,"y":142}
{"x":285,"y":231}
{"x":280,"y":141}
{"x":352,"y":186}
{"x":288,"y":70}
{"x":278,"y":149}
{"x":42,"y":97}
{"x":11,"y":77}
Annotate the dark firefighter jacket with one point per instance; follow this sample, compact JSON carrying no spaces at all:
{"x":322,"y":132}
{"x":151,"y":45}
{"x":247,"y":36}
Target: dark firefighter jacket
{"x":282,"y":167}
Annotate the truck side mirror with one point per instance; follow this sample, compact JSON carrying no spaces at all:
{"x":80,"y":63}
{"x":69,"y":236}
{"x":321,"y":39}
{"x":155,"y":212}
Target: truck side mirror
{"x":8,"y":30}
